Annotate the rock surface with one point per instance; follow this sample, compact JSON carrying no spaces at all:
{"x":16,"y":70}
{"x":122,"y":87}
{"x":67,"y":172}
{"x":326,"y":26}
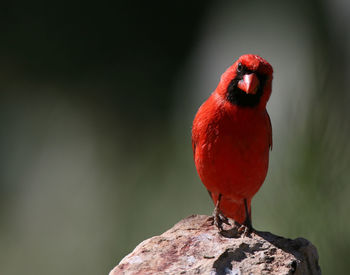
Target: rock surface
{"x":195,"y":246}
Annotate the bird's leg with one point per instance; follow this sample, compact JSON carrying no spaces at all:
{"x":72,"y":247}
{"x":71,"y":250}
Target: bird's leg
{"x":246,"y":227}
{"x":248,"y":219}
{"x":219,"y":218}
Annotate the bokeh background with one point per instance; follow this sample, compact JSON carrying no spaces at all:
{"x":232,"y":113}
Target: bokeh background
{"x":96,"y":105}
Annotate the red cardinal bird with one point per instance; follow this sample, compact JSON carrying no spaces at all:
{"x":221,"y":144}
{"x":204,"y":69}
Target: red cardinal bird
{"x":232,"y":136}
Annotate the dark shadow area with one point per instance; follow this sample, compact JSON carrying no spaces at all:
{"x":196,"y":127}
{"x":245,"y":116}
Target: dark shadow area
{"x":288,"y":245}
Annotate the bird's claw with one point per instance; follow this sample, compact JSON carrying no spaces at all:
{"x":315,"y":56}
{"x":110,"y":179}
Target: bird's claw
{"x":219,"y":219}
{"x":245,"y":231}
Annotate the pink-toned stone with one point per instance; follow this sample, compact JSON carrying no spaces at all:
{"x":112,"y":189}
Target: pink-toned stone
{"x":194,"y":246}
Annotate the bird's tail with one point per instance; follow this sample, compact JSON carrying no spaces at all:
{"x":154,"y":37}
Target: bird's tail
{"x":233,"y":208}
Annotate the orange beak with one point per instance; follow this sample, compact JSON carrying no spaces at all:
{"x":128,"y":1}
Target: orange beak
{"x":249,"y":83}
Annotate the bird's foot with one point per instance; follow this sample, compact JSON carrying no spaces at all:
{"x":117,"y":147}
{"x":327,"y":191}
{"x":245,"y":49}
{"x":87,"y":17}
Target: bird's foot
{"x":219,"y":219}
{"x":245,"y":230}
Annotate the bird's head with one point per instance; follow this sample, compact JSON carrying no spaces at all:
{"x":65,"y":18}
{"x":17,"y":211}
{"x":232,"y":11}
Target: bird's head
{"x":247,"y":83}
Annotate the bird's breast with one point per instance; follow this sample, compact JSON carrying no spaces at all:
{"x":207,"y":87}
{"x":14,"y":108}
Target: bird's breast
{"x":232,"y":150}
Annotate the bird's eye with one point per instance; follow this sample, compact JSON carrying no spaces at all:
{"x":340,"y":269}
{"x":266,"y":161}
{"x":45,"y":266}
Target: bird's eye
{"x":239,"y":67}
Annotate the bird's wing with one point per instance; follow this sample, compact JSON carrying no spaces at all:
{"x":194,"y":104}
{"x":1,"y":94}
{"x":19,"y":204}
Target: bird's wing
{"x":193,"y":147}
{"x":193,"y":144}
{"x":269,"y":130}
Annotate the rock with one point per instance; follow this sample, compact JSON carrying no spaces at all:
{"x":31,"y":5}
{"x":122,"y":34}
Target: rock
{"x":195,"y":246}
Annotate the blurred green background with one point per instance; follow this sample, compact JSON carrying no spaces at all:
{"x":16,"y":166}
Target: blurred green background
{"x":97,"y":101}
